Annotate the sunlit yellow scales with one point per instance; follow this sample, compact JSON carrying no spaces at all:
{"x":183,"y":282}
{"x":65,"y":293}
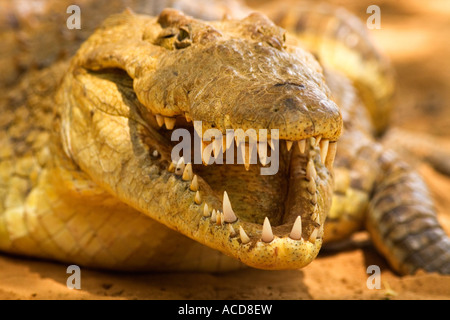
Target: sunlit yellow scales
{"x":86,"y":175}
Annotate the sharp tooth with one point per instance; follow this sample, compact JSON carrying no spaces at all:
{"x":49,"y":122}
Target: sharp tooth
{"x":188,"y":118}
{"x":324,"y":143}
{"x":180,"y":167}
{"x":206,"y":152}
{"x":206,"y":212}
{"x":267,"y":234}
{"x":296,"y":232}
{"x":262,"y":152}
{"x":219,"y":217}
{"x":314,"y":199}
{"x":313,"y":236}
{"x":198,"y":198}
{"x":244,"y":237}
{"x":187,"y":173}
{"x":245,"y":155}
{"x":170,"y":122}
{"x":310,"y":170}
{"x":222,"y":219}
{"x":302,"y":145}
{"x":312,"y":188}
{"x":231,"y":230}
{"x":271,"y":144}
{"x":289,"y":145}
{"x":318,"y":138}
{"x":228,"y":212}
{"x":159,"y":120}
{"x":331,"y":154}
{"x":194,"y":184}
{"x":214,"y":215}
{"x":172,"y":167}
{"x":317,"y":218}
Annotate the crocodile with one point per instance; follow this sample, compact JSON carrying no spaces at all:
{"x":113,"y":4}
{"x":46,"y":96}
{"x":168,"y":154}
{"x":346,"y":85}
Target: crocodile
{"x":87,"y":175}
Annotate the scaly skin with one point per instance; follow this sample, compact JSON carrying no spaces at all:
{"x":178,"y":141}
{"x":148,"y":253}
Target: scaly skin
{"x":81,"y":181}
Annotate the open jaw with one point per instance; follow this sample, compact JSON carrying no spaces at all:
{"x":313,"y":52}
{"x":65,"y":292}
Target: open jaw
{"x":126,"y":95}
{"x":272,"y":221}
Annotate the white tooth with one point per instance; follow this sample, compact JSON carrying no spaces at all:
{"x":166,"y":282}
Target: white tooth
{"x":244,"y":237}
{"x":271,"y":144}
{"x":296,"y":232}
{"x":206,"y":152}
{"x":187,"y":173}
{"x":188,"y":118}
{"x":228,"y":212}
{"x":314,"y":199}
{"x":332,"y":148}
{"x":324,"y":143}
{"x":172,"y":167}
{"x":206,"y":212}
{"x":262,"y":152}
{"x":219,"y":217}
{"x":310,"y":170}
{"x":194,"y":184}
{"x":289,"y":145}
{"x":318,"y":138}
{"x":214,"y":215}
{"x":159,"y":120}
{"x":245,"y":150}
{"x":198,"y":198}
{"x":231,"y":230}
{"x":180,"y":167}
{"x":317,"y":219}
{"x":267,"y":234}
{"x":170,"y":122}
{"x":312,"y":188}
{"x":313,"y":236}
{"x":302,"y":145}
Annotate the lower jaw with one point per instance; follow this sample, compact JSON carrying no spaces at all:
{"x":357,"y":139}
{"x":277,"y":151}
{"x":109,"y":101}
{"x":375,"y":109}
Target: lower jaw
{"x":304,"y":196}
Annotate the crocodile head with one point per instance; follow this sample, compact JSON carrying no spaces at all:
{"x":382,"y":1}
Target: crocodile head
{"x":139,"y":80}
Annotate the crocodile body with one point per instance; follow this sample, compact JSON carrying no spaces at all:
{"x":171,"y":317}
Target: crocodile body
{"x":86,"y":173}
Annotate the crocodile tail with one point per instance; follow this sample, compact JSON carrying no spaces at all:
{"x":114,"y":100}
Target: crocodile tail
{"x":341,"y":41}
{"x":402,"y":221}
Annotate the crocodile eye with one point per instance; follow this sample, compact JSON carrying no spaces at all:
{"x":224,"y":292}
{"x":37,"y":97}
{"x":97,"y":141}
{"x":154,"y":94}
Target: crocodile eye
{"x":184,"y":38}
{"x":174,"y":38}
